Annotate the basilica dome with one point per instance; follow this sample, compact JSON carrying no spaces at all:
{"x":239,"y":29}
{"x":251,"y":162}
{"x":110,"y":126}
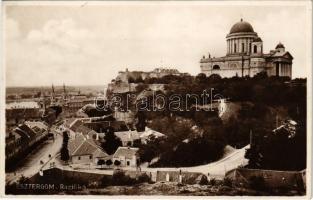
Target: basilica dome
{"x":241,"y":27}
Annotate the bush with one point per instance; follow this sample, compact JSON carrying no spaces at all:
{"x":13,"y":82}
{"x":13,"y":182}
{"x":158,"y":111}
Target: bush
{"x":106,"y":181}
{"x":203,"y":180}
{"x":212,"y":181}
{"x":143,"y":178}
{"x":119,"y":178}
{"x":257,"y":183}
{"x":109,"y":162}
{"x":117,"y":163}
{"x":227,"y":182}
{"x":100,"y":162}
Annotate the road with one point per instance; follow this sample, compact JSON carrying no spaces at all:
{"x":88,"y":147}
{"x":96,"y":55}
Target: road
{"x":232,"y":159}
{"x":32,"y":164}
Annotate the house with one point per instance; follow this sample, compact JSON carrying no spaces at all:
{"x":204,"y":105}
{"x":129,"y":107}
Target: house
{"x":84,"y":150}
{"x":101,"y":126}
{"x":21,"y":138}
{"x":74,"y":104}
{"x":18,"y":112}
{"x":128,"y":138}
{"x":77,"y":126}
{"x":13,"y":144}
{"x":27,"y":134}
{"x":40,"y":128}
{"x":70,"y":125}
{"x":127,"y":156}
{"x":149,"y":134}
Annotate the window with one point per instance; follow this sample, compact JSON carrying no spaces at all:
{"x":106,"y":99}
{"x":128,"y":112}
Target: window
{"x":78,"y":157}
{"x":90,"y":157}
{"x":255,"y":49}
{"x":127,"y":163}
{"x":249,"y":47}
{"x":277,"y":69}
{"x":242,"y":47}
{"x":235,"y":48}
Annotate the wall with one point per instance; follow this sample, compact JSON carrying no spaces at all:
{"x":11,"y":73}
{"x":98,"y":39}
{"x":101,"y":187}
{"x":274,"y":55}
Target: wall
{"x":83,"y":159}
{"x":123,"y":160}
{"x":122,"y":87}
{"x":174,"y":176}
{"x":272,"y":178}
{"x":80,"y":177}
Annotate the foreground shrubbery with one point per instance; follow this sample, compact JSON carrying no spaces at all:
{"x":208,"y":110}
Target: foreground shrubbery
{"x":257,"y":183}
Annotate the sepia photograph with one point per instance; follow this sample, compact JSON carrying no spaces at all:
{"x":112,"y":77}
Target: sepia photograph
{"x":156,"y":98}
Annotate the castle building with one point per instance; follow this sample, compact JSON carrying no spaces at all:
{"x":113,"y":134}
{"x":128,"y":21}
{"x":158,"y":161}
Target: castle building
{"x":245,"y":56}
{"x":125,"y":76}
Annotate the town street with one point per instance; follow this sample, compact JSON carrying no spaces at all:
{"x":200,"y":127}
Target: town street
{"x":31,"y":165}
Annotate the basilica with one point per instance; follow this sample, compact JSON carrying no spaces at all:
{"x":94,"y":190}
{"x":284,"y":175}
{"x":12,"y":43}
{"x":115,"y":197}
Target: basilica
{"x":245,"y":56}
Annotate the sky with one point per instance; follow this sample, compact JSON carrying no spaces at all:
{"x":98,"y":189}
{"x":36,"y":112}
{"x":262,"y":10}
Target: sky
{"x":85,"y":44}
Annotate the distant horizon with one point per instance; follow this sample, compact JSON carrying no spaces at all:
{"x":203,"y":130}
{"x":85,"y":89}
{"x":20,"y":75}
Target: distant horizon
{"x":38,"y":86}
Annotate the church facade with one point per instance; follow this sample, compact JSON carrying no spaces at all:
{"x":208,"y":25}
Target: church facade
{"x":245,"y":56}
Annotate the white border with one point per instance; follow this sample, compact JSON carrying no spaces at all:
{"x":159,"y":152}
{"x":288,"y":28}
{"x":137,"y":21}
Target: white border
{"x":308,"y":34}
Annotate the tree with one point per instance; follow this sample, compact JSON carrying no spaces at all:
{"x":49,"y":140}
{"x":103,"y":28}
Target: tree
{"x":111,"y":142}
{"x":100,"y":162}
{"x":141,"y":121}
{"x":117,"y":163}
{"x":279,"y":151}
{"x":261,"y":75}
{"x":109,"y":162}
{"x":214,"y":78}
{"x":141,"y":87}
{"x":65,"y":156}
{"x":201,"y":78}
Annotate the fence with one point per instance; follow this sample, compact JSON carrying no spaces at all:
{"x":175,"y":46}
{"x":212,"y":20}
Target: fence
{"x":180,"y":177}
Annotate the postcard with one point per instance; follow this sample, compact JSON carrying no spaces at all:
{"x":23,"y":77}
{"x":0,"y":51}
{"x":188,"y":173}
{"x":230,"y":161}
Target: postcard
{"x":157,"y":98}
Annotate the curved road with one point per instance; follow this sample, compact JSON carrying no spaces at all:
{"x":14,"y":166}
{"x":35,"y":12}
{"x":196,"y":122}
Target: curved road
{"x":31,"y":165}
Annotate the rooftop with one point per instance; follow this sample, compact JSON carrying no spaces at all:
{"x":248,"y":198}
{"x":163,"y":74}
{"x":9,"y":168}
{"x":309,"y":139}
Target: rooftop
{"x":80,"y":145}
{"x":241,"y":26}
{"x":22,"y":104}
{"x":127,"y":152}
{"x":127,"y":135}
